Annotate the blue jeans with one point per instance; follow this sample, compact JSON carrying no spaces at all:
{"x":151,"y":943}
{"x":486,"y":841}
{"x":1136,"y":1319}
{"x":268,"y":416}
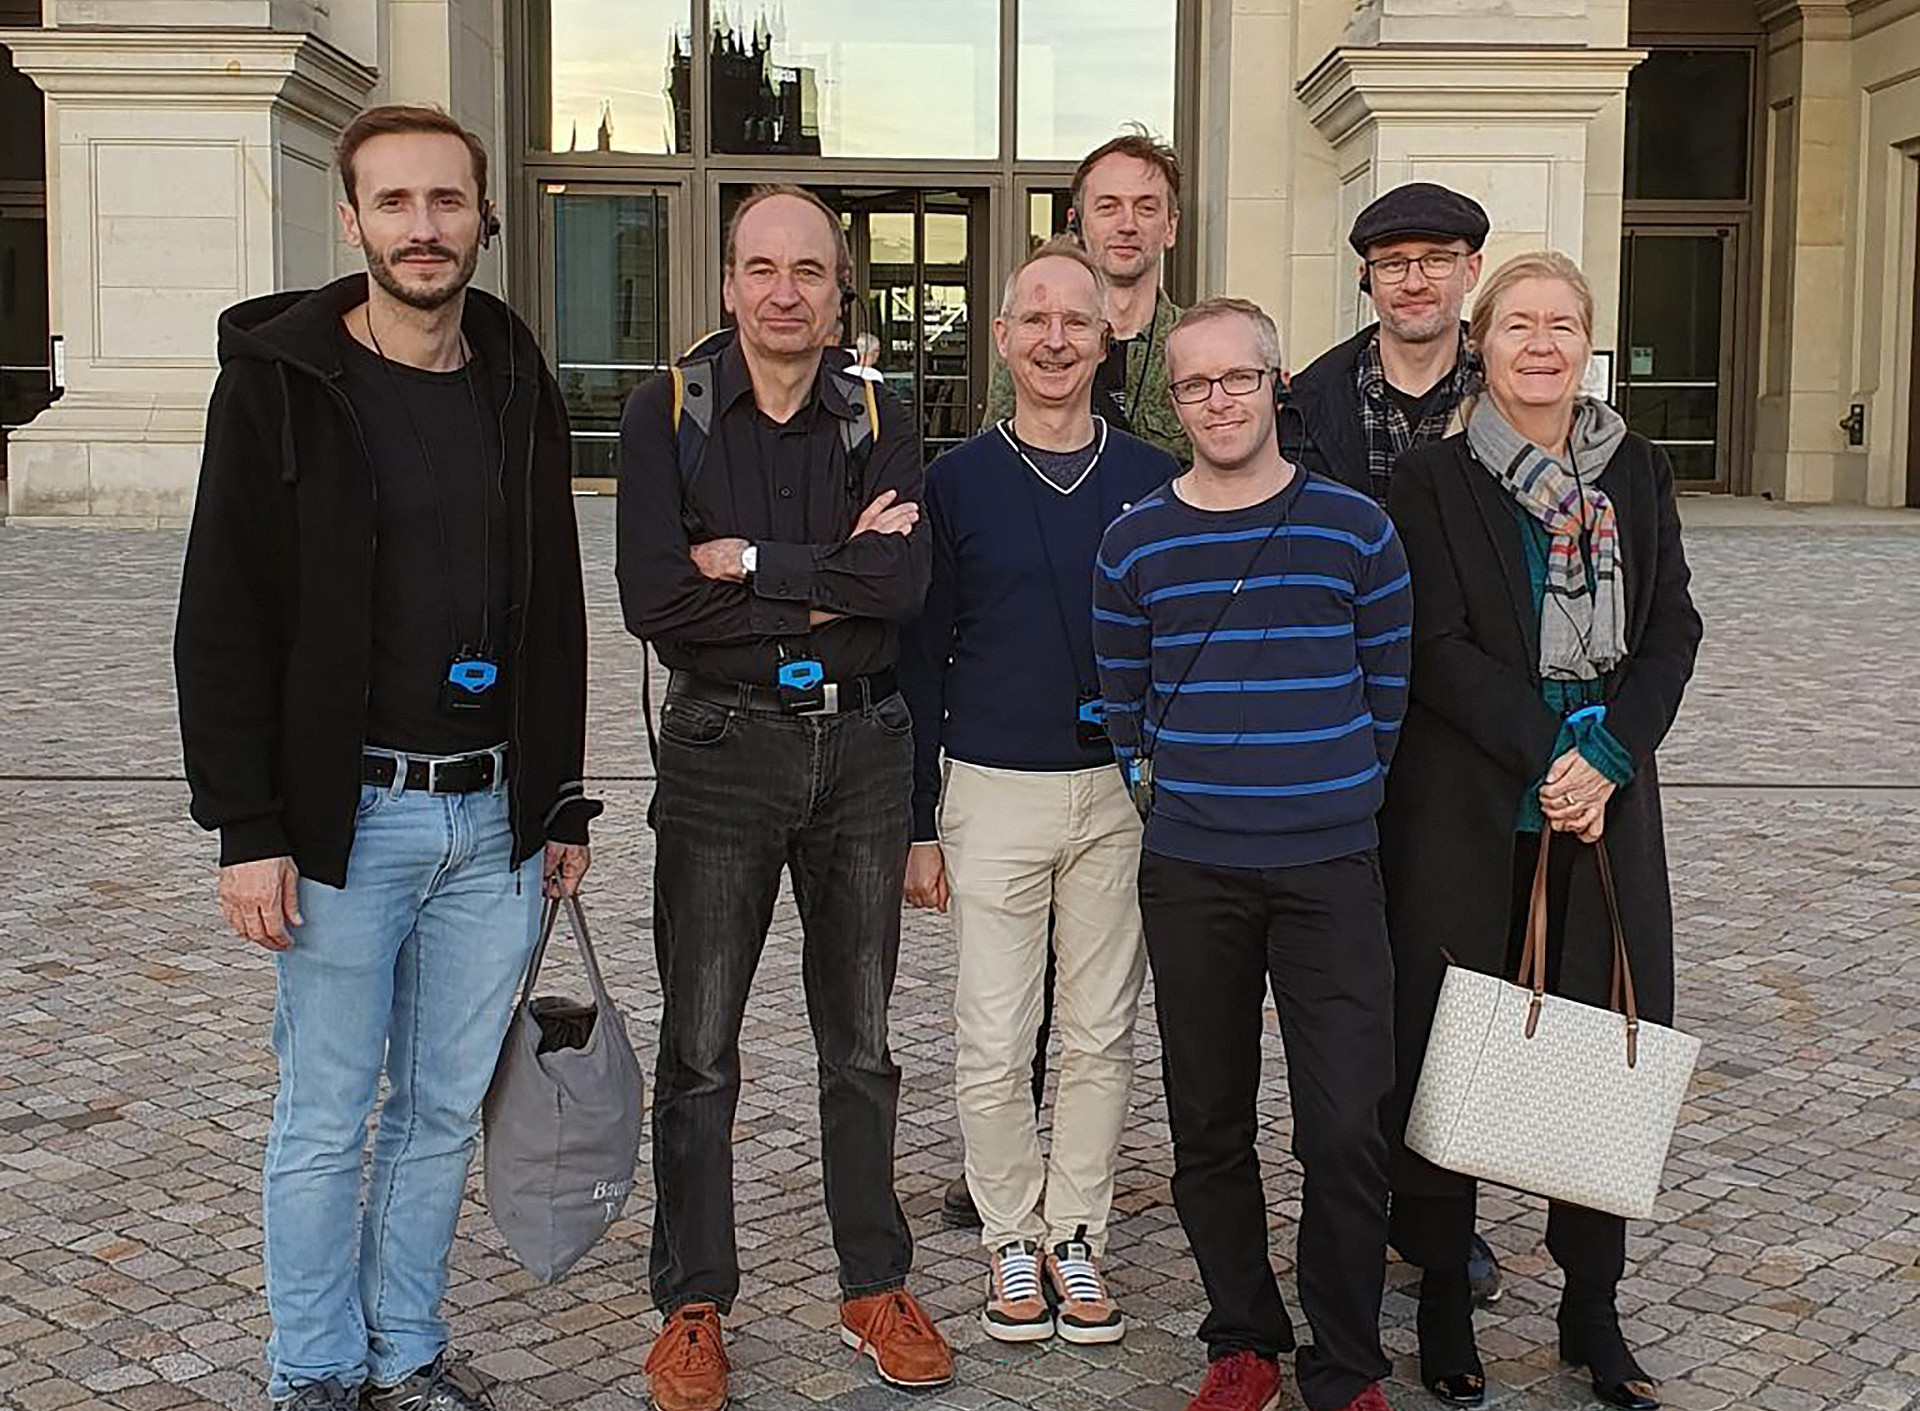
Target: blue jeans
{"x":413,"y":964}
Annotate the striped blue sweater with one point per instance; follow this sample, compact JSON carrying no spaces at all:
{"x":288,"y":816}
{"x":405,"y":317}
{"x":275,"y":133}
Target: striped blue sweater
{"x":1274,"y":751}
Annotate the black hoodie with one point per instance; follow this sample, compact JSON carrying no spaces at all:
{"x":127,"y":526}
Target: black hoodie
{"x":272,"y":645}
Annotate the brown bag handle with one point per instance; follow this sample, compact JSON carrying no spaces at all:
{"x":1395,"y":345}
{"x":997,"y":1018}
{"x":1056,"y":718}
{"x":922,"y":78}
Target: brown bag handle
{"x":1533,"y":955}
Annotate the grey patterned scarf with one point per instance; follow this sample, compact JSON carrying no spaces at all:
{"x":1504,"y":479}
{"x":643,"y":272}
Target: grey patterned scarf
{"x":1583,"y":619}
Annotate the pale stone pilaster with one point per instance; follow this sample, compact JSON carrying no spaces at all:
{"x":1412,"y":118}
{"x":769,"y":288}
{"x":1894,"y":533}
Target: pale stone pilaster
{"x":186,"y":170}
{"x":1534,"y":134}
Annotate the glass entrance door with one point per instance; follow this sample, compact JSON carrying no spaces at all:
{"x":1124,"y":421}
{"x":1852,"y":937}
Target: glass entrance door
{"x":919,"y":275}
{"x":1676,"y":304}
{"x":608,"y":306}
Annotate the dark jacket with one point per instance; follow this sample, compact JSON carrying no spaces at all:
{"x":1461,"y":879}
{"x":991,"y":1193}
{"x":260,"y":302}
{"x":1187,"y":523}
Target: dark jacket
{"x":272,"y":644}
{"x":1478,"y":735}
{"x":788,"y":490}
{"x":1320,"y":429}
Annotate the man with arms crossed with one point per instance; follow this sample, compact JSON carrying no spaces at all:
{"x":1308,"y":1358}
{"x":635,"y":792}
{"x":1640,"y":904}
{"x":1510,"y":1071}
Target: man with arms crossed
{"x":774,"y":584}
{"x":1033,"y":818}
{"x":381,"y":656}
{"x":1252,"y":626}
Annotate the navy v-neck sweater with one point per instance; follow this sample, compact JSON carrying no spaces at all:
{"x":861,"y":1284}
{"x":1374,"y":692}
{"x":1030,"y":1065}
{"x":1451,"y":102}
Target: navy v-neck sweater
{"x":996,"y":665}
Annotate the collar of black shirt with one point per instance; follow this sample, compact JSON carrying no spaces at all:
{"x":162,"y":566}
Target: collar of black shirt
{"x":734,"y":381}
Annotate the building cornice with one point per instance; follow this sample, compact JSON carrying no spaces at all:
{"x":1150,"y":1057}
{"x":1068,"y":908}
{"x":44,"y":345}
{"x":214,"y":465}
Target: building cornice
{"x":296,"y":73}
{"x":1807,"y":19}
{"x":1445,"y":83}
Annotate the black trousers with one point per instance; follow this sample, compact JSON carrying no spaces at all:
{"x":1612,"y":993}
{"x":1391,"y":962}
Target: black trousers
{"x":1217,"y":938}
{"x":1590,"y":1246}
{"x":741,"y":795}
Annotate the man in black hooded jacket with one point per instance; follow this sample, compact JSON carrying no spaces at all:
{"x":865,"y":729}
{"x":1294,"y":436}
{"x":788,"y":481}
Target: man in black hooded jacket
{"x":381,"y":662}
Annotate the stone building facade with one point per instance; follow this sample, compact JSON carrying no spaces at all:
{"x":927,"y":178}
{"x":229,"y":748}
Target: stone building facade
{"x":1740,"y":179}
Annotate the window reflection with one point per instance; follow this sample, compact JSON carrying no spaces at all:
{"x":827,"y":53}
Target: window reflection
{"x":856,"y":78}
{"x":621,"y":74}
{"x":1089,"y":66}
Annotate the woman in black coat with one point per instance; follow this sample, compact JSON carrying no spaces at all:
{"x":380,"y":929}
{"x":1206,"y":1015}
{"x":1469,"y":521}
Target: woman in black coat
{"x":1553,"y":639}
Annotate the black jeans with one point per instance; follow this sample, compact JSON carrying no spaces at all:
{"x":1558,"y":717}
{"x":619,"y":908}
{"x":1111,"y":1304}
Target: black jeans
{"x":740,"y":795}
{"x":1217,"y":937}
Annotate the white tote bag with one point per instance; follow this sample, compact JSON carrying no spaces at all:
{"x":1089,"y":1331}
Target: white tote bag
{"x":1543,"y":1094}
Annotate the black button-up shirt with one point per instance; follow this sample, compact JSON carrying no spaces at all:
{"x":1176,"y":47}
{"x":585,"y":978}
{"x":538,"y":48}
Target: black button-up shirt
{"x":783,"y":487}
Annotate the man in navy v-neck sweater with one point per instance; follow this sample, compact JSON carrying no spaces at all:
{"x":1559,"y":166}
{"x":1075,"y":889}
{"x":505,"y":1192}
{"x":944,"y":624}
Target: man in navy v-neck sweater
{"x":1027,"y":814}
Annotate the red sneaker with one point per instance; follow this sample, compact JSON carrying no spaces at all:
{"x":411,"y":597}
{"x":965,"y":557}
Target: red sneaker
{"x":1372,"y":1399}
{"x":1244,"y":1381}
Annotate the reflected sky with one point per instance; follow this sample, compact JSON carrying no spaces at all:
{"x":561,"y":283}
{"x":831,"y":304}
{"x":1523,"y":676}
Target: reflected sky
{"x":893,"y":78}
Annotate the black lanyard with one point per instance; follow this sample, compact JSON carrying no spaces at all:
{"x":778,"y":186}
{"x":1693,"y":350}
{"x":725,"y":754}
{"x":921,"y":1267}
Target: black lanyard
{"x":1039,"y":530}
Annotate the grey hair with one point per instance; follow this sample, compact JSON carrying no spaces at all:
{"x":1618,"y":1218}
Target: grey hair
{"x":1265,"y":333}
{"x":1061,"y":247}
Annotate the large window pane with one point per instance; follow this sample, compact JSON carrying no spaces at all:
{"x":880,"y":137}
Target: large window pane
{"x":1687,"y":113}
{"x":1089,"y":66}
{"x":622,"y":74}
{"x":856,"y":78}
{"x":610,"y":311}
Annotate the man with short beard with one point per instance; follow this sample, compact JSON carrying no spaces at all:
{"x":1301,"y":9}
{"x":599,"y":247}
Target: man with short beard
{"x":1395,"y":384}
{"x":381,"y":659}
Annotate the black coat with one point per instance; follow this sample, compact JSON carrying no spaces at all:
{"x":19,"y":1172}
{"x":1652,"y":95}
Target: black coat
{"x":274,"y":636}
{"x":1321,"y":429}
{"x":1478,"y":735}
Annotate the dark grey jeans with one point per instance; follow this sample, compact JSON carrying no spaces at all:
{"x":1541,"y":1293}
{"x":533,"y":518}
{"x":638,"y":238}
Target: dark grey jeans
{"x":740,"y":795}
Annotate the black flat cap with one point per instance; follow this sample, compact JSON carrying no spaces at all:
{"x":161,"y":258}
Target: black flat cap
{"x":1416,"y":209}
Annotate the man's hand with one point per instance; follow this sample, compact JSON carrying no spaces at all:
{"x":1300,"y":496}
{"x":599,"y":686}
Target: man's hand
{"x":720,"y":559}
{"x":563,"y":868}
{"x":883,"y":516}
{"x":926,"y":884}
{"x":261,"y":900}
{"x":1574,"y":797}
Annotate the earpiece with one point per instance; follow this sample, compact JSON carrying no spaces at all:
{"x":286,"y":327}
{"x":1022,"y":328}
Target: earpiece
{"x":1073,"y":222}
{"x":489,"y":226}
{"x":1366,"y":281}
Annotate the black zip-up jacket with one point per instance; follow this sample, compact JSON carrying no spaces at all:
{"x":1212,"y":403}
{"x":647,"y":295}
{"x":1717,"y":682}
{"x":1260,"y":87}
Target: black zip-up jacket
{"x":272,"y":645}
{"x":1321,"y":431}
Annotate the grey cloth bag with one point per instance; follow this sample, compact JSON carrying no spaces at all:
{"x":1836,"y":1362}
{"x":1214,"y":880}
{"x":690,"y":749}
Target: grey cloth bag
{"x":562,"y":1117}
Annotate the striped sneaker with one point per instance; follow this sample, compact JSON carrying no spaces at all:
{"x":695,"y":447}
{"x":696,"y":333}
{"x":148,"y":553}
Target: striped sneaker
{"x":1016,"y":1308}
{"x":1085,"y":1310}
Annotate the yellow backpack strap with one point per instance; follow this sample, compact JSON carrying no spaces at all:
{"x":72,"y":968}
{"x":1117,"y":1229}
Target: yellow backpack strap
{"x":679,"y":394}
{"x":873,"y":409}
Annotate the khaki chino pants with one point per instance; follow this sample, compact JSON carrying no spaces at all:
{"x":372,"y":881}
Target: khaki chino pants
{"x":1019,"y":847}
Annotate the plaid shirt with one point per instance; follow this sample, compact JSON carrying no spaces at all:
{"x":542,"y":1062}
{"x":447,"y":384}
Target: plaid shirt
{"x":1389,"y":436}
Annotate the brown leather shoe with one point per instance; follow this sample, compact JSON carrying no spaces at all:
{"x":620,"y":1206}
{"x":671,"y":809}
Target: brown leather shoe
{"x":894,"y":1330}
{"x":687,"y":1369}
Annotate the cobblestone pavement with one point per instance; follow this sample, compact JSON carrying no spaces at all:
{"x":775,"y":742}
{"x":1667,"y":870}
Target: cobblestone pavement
{"x":1783,"y":1271}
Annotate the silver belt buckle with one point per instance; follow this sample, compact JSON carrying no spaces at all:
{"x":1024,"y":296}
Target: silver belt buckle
{"x":829,"y":701}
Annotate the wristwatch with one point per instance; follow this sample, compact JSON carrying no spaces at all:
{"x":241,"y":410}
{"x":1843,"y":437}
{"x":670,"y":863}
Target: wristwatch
{"x":750,"y":559}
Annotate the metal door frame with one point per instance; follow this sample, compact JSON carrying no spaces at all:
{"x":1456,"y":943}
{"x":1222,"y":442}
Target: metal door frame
{"x":1730,"y":432}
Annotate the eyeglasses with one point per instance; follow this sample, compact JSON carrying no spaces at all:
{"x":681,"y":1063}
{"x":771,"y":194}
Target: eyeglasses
{"x":1436,"y":264}
{"x":1235,"y":382}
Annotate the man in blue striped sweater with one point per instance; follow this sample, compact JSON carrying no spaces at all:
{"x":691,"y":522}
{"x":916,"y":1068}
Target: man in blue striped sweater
{"x":1252,"y":630}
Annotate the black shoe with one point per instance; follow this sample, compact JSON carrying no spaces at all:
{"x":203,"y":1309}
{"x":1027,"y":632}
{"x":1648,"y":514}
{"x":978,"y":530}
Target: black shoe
{"x":439,"y":1386}
{"x":1449,"y":1362}
{"x":329,"y":1395}
{"x":1483,"y":1272}
{"x":956,"y":1207}
{"x":1590,"y":1337}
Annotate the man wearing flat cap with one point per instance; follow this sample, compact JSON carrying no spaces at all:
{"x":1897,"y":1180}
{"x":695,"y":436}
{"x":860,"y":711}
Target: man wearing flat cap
{"x":1395,"y":384}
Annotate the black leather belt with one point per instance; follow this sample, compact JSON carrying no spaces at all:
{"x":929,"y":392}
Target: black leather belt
{"x":857,"y":693}
{"x":462,"y":774}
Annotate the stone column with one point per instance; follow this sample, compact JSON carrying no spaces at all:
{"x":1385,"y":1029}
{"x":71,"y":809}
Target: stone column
{"x":1807,"y":367}
{"x":1535,"y":133}
{"x":187,"y":169}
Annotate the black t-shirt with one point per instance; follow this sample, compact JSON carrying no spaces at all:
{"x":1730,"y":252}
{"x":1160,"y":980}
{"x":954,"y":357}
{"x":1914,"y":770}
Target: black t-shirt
{"x":1415,"y":408}
{"x":1110,"y":389}
{"x":440,"y":447}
